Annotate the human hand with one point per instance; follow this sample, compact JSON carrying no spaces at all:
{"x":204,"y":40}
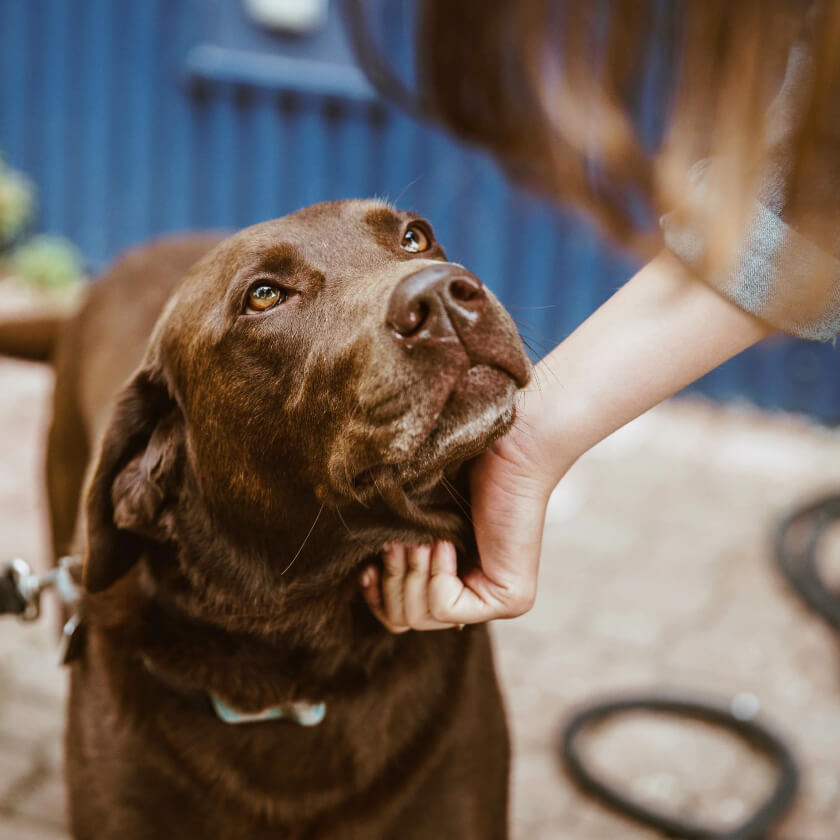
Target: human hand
{"x":419,"y":587}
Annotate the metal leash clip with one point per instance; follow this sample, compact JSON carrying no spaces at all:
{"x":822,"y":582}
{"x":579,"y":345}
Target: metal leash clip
{"x":21,"y":588}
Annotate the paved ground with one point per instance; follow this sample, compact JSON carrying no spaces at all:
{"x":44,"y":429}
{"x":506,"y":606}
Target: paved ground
{"x":655,"y":572}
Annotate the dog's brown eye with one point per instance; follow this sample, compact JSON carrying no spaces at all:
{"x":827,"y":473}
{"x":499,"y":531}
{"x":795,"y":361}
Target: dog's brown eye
{"x":265,"y":295}
{"x":415,"y":239}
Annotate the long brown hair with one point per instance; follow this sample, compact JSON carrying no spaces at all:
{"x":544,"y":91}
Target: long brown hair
{"x":548,"y":87}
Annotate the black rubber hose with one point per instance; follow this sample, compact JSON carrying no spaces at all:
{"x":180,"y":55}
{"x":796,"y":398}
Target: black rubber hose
{"x":755,"y":734}
{"x":799,"y":563}
{"x":800,"y":566}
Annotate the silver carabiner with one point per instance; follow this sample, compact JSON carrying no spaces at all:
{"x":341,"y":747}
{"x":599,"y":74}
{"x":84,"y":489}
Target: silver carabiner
{"x":30,"y":586}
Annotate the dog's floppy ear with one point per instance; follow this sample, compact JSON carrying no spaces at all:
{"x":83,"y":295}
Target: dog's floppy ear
{"x":130,"y":494}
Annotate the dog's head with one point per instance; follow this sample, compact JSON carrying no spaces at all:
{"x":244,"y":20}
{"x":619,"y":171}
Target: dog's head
{"x":326,"y":359}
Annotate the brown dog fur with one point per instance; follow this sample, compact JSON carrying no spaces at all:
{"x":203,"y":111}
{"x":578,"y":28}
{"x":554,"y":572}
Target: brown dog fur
{"x":242,"y":468}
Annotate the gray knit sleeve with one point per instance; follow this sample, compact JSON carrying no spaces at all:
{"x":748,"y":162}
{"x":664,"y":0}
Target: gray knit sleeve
{"x":779,"y":275}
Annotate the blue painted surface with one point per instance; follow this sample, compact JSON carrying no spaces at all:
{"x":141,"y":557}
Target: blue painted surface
{"x":137,"y":117}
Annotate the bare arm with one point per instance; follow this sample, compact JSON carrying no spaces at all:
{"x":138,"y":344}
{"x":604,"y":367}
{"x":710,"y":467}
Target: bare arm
{"x":657,"y":334}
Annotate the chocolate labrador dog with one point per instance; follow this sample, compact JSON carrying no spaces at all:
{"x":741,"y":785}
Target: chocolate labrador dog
{"x":256,"y":416}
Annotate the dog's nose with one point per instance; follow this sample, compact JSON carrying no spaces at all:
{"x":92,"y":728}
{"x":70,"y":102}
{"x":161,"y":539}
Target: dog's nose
{"x":434,"y":304}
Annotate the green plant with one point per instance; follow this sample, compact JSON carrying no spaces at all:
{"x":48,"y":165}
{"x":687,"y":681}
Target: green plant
{"x":47,"y":262}
{"x":17,"y":204}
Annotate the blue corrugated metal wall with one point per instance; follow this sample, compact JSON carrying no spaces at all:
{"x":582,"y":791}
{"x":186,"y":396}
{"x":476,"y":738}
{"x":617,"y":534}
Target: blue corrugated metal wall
{"x":136,"y":117}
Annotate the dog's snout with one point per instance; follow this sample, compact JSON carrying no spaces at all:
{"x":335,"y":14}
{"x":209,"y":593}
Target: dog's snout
{"x":433,"y":303}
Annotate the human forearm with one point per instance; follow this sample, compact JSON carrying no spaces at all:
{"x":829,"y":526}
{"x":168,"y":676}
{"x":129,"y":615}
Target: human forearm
{"x":660,"y":332}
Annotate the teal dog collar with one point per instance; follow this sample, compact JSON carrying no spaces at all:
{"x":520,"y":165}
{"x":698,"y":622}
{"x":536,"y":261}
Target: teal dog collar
{"x":305,"y":714}
{"x":300,"y":712}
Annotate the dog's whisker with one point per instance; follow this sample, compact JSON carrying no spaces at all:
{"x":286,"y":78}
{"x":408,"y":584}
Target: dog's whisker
{"x":546,"y":373}
{"x":536,"y":351}
{"x":527,"y":325}
{"x":526,"y":331}
{"x":308,"y":534}
{"x":536,"y":344}
{"x":448,"y":483}
{"x":406,"y":188}
{"x":341,"y":519}
{"x":462,"y":506}
{"x":537,"y":377}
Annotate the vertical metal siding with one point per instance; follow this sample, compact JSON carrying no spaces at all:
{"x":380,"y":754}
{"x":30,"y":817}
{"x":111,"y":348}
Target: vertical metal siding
{"x":100,"y":106}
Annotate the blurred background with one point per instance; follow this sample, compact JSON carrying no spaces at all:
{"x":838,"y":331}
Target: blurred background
{"x":136,"y":117}
{"x":124,"y":119}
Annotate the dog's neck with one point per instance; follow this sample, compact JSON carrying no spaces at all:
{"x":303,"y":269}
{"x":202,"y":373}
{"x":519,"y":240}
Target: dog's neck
{"x":236,"y":621}
{"x":291,"y":576}
{"x":159,"y":625}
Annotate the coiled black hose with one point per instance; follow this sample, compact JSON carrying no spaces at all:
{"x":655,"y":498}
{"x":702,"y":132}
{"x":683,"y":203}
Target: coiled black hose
{"x":757,"y":735}
{"x":800,"y":563}
{"x":797,"y":543}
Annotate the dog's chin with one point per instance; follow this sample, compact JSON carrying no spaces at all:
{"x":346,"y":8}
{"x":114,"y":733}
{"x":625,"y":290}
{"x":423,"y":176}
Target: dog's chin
{"x":479,"y":409}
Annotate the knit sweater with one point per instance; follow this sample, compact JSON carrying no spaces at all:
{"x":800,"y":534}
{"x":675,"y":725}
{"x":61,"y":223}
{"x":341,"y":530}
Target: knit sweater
{"x":779,"y":275}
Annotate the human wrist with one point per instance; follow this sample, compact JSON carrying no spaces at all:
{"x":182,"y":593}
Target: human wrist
{"x":566,"y":430}
{"x":548,"y":435}
{"x":658,"y":333}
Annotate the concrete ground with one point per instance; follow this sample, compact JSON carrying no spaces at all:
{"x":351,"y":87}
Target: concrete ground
{"x":656,"y":572}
